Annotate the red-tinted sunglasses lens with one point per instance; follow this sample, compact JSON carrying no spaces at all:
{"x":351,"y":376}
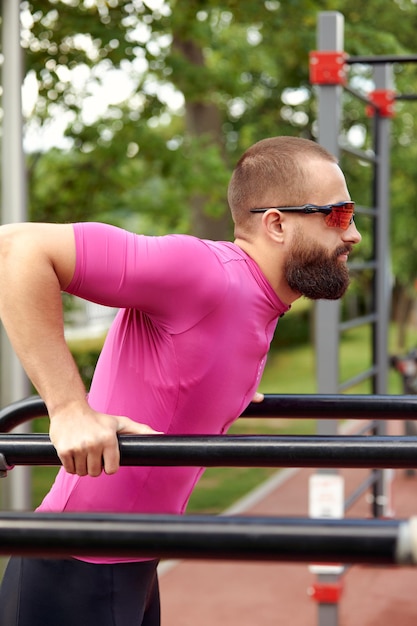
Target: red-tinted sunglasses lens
{"x":341,"y":215}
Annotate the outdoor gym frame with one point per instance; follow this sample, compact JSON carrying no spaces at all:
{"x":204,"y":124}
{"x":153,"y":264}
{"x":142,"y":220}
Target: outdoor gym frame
{"x":328,"y":73}
{"x":382,"y":542}
{"x":292,"y":539}
{"x":231,"y":451}
{"x":242,"y":538}
{"x":331,"y":451}
{"x":293,"y":406}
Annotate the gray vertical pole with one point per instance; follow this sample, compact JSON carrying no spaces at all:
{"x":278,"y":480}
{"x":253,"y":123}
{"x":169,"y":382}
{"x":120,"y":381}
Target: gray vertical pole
{"x":327,"y":313}
{"x":14,"y":385}
{"x":382,"y":80}
{"x":330,"y":37}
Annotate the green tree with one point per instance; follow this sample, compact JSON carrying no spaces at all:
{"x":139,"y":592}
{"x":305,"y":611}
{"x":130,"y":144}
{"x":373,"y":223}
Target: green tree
{"x":222,"y":57}
{"x":241,"y":69}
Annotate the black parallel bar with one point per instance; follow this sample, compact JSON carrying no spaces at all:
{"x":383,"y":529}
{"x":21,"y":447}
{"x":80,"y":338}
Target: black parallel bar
{"x":335,"y":406}
{"x":238,"y":538}
{"x":234,"y":451}
{"x":381,"y":59}
{"x":20,"y":412}
{"x":326,"y":406}
{"x":406,"y":96}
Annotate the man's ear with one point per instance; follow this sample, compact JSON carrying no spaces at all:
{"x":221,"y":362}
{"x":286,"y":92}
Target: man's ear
{"x":274,"y":224}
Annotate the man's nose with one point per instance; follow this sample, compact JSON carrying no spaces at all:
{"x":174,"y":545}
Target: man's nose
{"x":352,"y":234}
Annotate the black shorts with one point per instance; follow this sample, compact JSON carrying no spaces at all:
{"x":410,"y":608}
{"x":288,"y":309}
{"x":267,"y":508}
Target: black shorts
{"x":68,"y":592}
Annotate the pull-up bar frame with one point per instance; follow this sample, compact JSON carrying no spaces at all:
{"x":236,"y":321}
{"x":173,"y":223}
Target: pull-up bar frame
{"x":249,"y":538}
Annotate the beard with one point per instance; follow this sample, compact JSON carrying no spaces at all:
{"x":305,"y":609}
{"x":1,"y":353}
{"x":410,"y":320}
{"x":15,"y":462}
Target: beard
{"x":314,"y":273}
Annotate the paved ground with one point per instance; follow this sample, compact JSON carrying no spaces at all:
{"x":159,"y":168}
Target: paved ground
{"x":199,"y":593}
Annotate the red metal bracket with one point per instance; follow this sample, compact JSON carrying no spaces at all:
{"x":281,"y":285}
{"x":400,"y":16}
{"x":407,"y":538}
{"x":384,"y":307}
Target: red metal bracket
{"x":328,"y":68}
{"x":326,"y":593}
{"x":384,"y":100}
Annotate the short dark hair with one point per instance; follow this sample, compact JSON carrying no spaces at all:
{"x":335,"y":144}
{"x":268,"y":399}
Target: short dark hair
{"x":271,"y":173}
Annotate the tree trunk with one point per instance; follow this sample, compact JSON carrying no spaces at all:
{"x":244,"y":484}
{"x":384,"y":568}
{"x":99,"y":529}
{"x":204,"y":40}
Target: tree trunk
{"x":204,"y":119}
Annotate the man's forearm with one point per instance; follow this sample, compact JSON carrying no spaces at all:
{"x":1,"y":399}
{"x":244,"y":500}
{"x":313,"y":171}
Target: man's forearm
{"x":31,"y":309}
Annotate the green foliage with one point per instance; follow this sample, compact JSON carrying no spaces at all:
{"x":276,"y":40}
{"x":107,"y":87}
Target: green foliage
{"x":240,"y":70}
{"x":86,"y":362}
{"x":294,"y":328}
{"x":220,"y":56}
{"x":86,"y":353}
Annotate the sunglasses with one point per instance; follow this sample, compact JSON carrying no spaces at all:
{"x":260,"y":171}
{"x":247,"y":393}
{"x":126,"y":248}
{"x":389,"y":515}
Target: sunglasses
{"x":339,"y":215}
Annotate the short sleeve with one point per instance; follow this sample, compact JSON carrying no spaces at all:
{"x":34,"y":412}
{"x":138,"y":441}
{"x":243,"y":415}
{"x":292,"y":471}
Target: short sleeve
{"x":176,"y":279}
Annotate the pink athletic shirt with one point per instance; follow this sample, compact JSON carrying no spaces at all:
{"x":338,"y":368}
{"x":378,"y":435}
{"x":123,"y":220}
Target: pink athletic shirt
{"x":185,"y":353}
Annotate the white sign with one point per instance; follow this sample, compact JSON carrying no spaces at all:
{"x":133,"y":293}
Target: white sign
{"x":326,"y":496}
{"x":326,"y":500}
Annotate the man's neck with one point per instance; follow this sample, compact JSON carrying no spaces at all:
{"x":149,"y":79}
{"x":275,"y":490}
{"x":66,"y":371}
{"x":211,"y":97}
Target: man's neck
{"x":272,"y":269}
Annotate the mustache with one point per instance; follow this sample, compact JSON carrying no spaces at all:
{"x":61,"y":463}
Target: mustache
{"x":346,"y":249}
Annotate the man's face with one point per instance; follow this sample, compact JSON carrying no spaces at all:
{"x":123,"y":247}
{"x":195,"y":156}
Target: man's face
{"x":314,"y":271}
{"x":316,"y":260}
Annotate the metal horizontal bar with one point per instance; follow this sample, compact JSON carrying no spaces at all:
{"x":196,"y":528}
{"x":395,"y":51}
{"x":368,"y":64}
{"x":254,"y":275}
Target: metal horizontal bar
{"x":360,"y":154}
{"x":362,"y":265}
{"x":21,"y":411}
{"x":274,"y":405}
{"x":366,"y":210}
{"x":360,"y":95}
{"x":355,"y":380}
{"x":237,"y":538}
{"x":332,"y":406}
{"x":234,"y":451}
{"x":405,"y":96}
{"x":381,"y":59}
{"x":368,"y":482}
{"x":358,"y":321}
{"x":368,"y":428}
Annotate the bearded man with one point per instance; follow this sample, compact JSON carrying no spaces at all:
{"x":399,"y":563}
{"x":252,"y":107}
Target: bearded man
{"x":184,"y":355}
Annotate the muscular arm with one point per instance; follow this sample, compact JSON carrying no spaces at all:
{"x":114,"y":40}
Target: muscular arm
{"x":36,"y":262}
